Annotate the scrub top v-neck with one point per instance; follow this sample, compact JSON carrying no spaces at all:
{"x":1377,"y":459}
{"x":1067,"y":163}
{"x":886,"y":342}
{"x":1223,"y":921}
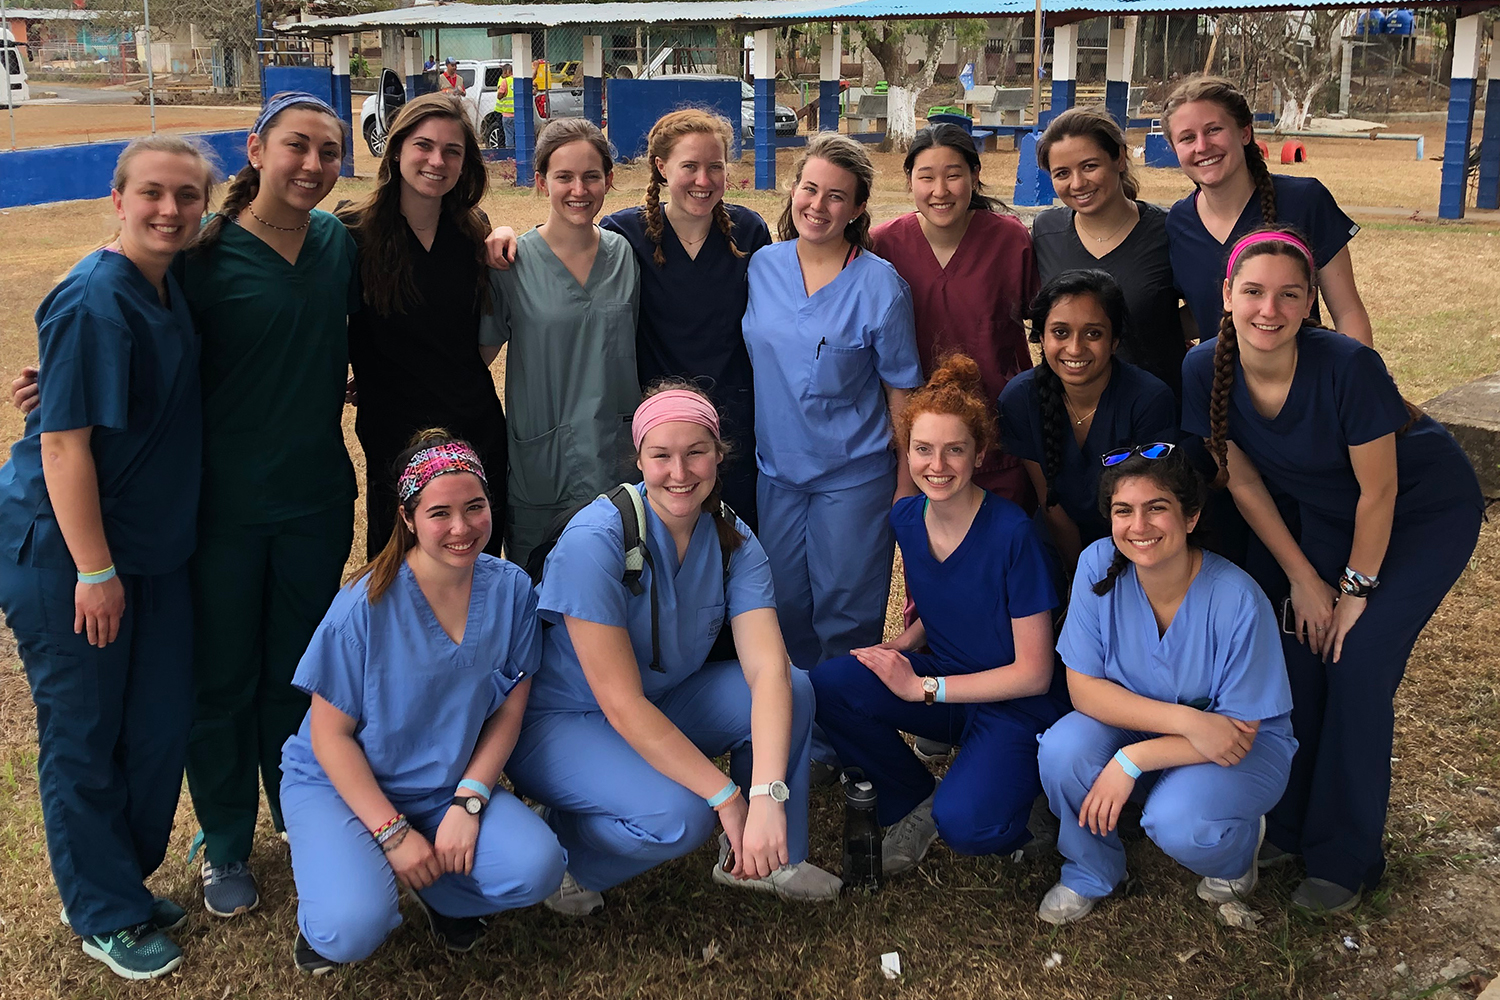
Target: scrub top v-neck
{"x":1142,"y":266}
{"x":274,"y":332}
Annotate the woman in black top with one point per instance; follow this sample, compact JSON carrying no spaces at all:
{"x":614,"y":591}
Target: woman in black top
{"x":414,"y":344}
{"x":1102,"y":225}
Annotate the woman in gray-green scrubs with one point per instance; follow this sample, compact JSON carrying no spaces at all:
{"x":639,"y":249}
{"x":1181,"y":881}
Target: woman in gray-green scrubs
{"x":568,"y":308}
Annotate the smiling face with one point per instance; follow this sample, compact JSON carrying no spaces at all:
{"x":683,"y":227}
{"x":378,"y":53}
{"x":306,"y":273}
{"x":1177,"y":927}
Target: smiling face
{"x":942,"y":185}
{"x":696,"y":173}
{"x":1208,"y":143}
{"x":162,"y":204}
{"x":575,"y":183}
{"x":1078,"y":341}
{"x":679,"y":462}
{"x":432,"y":157}
{"x":823,"y":202}
{"x":452,"y":522}
{"x":1148,"y":524}
{"x":1268,"y":300}
{"x":1083,"y":175}
{"x":941,"y":455}
{"x":299,"y":158}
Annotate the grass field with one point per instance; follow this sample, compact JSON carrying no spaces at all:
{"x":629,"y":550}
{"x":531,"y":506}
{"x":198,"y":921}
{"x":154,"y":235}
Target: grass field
{"x":965,"y":928}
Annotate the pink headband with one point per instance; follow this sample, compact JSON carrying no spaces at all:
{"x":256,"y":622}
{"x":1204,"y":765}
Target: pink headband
{"x":429,"y":463}
{"x":1262,"y":237}
{"x":669,"y":406}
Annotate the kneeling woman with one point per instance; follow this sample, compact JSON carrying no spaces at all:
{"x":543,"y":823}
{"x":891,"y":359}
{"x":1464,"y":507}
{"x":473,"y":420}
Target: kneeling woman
{"x":620,"y":752}
{"x":984,"y":595}
{"x":418,"y":676}
{"x":1176,"y":673}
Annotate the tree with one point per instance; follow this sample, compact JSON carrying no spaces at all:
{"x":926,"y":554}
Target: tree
{"x":1298,"y":50}
{"x":887,"y":42}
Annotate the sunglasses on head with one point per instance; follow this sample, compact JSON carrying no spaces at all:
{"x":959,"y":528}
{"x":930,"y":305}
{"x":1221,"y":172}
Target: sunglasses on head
{"x":1155,"y":450}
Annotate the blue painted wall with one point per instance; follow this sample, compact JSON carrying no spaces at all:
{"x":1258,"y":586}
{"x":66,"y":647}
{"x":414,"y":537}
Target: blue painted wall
{"x":70,"y":173}
{"x":635,"y":105}
{"x":315,"y":80}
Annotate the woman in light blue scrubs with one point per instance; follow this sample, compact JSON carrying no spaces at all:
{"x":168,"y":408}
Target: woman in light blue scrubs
{"x":831,"y":334}
{"x":1179,"y":690}
{"x":626,"y":715}
{"x":418,"y":676}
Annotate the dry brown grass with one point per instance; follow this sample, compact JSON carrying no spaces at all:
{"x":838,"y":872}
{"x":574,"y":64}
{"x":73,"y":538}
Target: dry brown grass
{"x":965,"y":927}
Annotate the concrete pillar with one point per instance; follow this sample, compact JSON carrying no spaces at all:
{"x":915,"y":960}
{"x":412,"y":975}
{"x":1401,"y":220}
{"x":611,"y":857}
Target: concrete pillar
{"x":1346,"y":74}
{"x":831,"y":57}
{"x":593,"y":79}
{"x":1489,"y":144}
{"x":1119,"y":67}
{"x":411,"y":57}
{"x":521,"y":83}
{"x":763,"y":68}
{"x":343,"y":100}
{"x":1033,"y":184}
{"x":1064,"y":69}
{"x":1468,"y":40}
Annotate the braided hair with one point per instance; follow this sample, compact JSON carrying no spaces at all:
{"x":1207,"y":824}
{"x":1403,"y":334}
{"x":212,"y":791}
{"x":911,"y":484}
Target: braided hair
{"x":1217,"y":90}
{"x":1051,"y":394}
{"x":659,"y":145}
{"x":1173,"y":473}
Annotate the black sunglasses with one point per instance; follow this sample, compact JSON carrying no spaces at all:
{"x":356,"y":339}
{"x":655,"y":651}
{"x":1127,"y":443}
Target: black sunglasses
{"x":1155,"y":450}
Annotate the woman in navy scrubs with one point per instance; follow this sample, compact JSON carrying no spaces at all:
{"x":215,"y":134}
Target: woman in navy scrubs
{"x":97,"y":511}
{"x":1082,"y":401}
{"x":1209,"y":125}
{"x":984,"y":597}
{"x":1390,"y":511}
{"x":694,"y":254}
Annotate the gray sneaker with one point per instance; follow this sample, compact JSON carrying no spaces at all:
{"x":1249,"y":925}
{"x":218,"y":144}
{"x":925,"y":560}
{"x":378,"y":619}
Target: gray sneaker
{"x":1227,"y":890}
{"x":229,"y":890}
{"x":573,"y":899}
{"x":931,"y":751}
{"x":804,"y":882}
{"x":1062,"y":905}
{"x":1322,"y":898}
{"x":908,"y":840}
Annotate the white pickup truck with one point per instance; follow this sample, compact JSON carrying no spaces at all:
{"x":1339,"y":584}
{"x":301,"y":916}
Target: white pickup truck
{"x":14,"y":86}
{"x":480,"y":79}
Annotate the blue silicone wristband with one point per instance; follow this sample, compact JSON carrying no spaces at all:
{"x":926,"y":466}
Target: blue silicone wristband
{"x":108,"y":573}
{"x":476,"y":787}
{"x":724,"y":795}
{"x":1127,"y":764}
{"x":942,"y":691}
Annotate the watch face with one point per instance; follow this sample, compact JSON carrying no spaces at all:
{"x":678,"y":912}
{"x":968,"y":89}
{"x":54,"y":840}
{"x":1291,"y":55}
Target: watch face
{"x":929,"y":684}
{"x":474,"y":804}
{"x":779,"y":791}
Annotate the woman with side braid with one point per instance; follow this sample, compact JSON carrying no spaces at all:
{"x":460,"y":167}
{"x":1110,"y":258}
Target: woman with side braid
{"x":1387,"y":500}
{"x":1080,"y":402}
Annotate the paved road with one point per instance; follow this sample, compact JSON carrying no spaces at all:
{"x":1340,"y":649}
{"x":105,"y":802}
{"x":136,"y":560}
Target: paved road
{"x":86,"y":95}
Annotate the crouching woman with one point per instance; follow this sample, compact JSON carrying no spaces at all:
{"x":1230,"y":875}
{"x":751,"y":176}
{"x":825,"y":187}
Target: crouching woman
{"x":418,"y":676}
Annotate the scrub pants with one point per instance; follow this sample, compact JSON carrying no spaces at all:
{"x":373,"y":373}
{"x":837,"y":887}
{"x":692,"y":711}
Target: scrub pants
{"x":347,"y":894}
{"x":112,"y":729}
{"x":984,"y":801}
{"x":1334,"y":810}
{"x":259,"y":592}
{"x":830,"y":555}
{"x":1204,"y":816}
{"x":618,"y":816}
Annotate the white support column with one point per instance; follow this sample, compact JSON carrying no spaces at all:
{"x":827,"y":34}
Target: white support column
{"x":593,"y":79}
{"x":343,"y":98}
{"x":763,"y":68}
{"x":521,"y":84}
{"x":1064,"y":67}
{"x":411,"y":50}
{"x":1119,"y":63}
{"x":1346,"y":73}
{"x":593,"y":55}
{"x":831,"y":59}
{"x":1463,"y":93}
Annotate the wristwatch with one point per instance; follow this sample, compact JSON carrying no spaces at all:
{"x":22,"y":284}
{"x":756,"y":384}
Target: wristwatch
{"x":777,"y":790}
{"x":471,"y":804}
{"x":929,"y":690}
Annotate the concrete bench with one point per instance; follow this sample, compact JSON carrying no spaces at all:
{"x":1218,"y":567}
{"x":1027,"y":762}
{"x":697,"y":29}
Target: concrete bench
{"x":870,"y":114}
{"x":1006,"y":106}
{"x":1471,"y":412}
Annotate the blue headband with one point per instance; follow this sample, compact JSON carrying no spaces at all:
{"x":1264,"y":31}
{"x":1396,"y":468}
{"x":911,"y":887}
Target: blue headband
{"x":290,"y":98}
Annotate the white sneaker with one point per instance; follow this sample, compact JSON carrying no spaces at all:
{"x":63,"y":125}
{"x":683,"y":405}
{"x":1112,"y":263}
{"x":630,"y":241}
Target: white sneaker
{"x":907,"y":840}
{"x":1227,"y":890}
{"x":800,"y":883}
{"x":1062,"y":905}
{"x":573,"y":899}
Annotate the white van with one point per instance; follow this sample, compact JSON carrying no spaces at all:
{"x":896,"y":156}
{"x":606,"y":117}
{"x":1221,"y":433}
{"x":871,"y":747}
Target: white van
{"x":12,"y":70}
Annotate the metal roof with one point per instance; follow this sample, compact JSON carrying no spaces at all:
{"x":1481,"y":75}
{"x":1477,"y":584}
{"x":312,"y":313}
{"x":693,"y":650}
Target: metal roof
{"x":752,"y":13}
{"x":36,"y":14}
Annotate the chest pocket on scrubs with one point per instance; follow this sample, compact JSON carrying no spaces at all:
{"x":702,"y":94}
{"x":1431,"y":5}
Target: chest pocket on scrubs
{"x":837,"y":371}
{"x":622,"y":381}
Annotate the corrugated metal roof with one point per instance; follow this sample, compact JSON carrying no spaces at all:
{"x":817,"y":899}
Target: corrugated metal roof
{"x":750,"y":13}
{"x":40,"y":14}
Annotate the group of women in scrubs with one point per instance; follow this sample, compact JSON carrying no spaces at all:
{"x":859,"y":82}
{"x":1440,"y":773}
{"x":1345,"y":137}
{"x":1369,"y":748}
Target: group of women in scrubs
{"x":807,"y":354}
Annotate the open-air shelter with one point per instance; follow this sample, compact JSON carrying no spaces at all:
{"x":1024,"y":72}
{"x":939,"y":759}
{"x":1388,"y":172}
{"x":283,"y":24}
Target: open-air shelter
{"x":764,"y":17}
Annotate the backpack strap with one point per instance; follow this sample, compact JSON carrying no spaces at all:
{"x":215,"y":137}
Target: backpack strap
{"x":632,"y":510}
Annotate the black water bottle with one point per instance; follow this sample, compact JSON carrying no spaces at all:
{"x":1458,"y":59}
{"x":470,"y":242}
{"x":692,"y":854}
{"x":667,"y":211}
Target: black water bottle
{"x":863,"y":863}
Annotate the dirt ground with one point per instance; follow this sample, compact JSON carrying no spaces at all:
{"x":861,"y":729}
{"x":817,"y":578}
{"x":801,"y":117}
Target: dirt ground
{"x":965,"y":927}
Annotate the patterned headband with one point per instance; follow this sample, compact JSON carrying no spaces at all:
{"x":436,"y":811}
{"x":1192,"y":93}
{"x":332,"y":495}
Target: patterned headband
{"x":439,"y":460}
{"x":279,"y":103}
{"x":1265,"y":236}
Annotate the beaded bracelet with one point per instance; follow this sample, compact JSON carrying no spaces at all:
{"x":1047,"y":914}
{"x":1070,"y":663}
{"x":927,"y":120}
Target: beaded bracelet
{"x":388,"y":829}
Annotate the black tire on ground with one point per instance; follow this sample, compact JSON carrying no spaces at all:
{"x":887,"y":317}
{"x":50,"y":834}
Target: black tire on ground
{"x":492,"y":132}
{"x":373,"y":139}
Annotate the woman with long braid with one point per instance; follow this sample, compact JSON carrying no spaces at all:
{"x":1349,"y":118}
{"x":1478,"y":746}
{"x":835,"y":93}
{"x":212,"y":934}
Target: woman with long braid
{"x":1209,"y":124}
{"x":1387,"y":500}
{"x":1080,"y":402}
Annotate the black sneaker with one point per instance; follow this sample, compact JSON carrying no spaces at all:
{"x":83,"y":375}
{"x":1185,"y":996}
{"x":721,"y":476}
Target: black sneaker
{"x":308,"y":960}
{"x":453,"y":933}
{"x":139,"y":952}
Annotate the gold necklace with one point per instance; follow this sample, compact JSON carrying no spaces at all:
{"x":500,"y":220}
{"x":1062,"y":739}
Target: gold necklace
{"x":1077,"y":224}
{"x":1077,"y":420}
